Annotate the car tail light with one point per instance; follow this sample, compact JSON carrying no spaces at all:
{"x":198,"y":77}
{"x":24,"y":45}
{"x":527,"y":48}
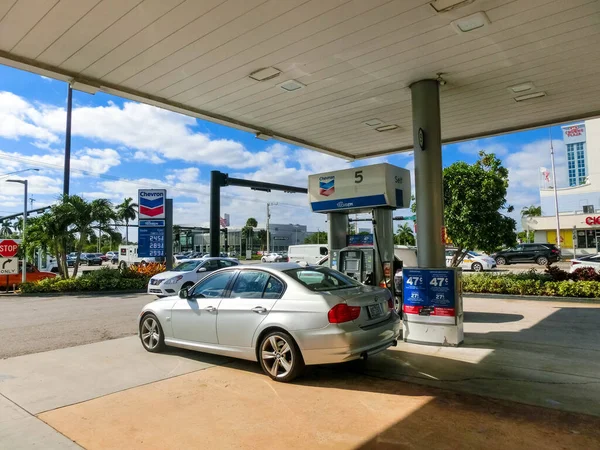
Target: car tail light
{"x":341,"y":313}
{"x":390,"y":303}
{"x":554,"y":250}
{"x":574,"y":263}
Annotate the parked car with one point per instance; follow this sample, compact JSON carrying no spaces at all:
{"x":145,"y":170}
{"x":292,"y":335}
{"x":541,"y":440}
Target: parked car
{"x":90,"y":259}
{"x":102,"y":256}
{"x":32,"y":274}
{"x":272,"y":257}
{"x":472,"y":261}
{"x":284,"y":316}
{"x":542,"y":254}
{"x":586,"y":261}
{"x":186,"y":274}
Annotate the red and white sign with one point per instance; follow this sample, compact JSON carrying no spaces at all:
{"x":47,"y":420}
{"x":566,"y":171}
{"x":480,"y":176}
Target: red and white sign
{"x":8,"y":248}
{"x":576,"y":130}
{"x":151,"y":203}
{"x":591,"y":221}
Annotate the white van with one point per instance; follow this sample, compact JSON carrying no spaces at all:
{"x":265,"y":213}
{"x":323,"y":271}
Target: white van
{"x":311,"y":253}
{"x":128,"y":255}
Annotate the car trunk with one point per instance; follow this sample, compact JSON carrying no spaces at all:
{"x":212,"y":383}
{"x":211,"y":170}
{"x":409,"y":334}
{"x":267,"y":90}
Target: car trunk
{"x":373,"y":302}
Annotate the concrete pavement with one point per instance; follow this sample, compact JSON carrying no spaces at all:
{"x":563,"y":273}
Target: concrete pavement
{"x":113,"y":394}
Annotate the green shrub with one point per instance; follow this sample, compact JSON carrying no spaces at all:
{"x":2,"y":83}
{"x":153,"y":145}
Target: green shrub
{"x":98,"y":280}
{"x":529,"y":283}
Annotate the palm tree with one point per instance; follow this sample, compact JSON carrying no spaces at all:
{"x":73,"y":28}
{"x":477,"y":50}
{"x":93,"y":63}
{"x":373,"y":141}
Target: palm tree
{"x":5,"y":229}
{"x":248,"y":231}
{"x":127,"y":211}
{"x":530,"y":211}
{"x":404,"y":235}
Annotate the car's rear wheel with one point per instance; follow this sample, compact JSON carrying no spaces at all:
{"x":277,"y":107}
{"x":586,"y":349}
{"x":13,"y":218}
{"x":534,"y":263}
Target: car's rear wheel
{"x":151,"y":334}
{"x":280,"y":357}
{"x":542,"y":261}
{"x":477,"y":267}
{"x":501,"y":260}
{"x":122,"y":265}
{"x":263,"y":260}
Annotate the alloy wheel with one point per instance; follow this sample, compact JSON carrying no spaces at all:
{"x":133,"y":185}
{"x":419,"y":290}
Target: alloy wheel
{"x":150,"y":333}
{"x":277,"y":356}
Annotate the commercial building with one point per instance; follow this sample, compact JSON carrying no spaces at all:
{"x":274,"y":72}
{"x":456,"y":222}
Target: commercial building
{"x":280,"y":235}
{"x":579,"y":202}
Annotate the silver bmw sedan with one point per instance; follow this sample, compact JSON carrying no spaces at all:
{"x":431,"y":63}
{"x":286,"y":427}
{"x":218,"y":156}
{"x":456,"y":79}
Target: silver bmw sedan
{"x":283,"y":315}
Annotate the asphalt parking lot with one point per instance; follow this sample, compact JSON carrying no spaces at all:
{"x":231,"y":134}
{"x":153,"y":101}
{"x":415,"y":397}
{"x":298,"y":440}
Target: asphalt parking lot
{"x":527,"y":375}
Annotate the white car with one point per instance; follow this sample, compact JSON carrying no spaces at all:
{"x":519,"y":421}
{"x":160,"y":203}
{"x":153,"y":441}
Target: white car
{"x":586,"y":261}
{"x":272,"y":257}
{"x":186,"y":274}
{"x":472,"y":261}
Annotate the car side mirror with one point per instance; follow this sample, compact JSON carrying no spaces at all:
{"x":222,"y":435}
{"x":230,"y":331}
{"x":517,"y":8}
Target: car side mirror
{"x":184,"y":293}
{"x":202,"y":269}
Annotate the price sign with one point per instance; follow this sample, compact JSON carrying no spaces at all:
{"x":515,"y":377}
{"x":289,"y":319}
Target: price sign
{"x":151,"y":242}
{"x":429,"y":292}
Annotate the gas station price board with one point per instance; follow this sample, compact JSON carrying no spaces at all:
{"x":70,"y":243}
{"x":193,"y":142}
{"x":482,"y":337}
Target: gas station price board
{"x":429,"y":292}
{"x":151,"y":242}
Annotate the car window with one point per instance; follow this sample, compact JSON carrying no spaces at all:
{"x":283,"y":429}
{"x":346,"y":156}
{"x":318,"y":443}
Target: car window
{"x":212,"y":286}
{"x":187,"y":266}
{"x":274,"y":288}
{"x":226,"y":263}
{"x":322,"y":279}
{"x":250,"y":284}
{"x":211,"y":264}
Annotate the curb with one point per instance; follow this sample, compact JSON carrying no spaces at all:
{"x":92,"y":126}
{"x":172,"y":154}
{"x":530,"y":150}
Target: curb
{"x":536,"y":298}
{"x":72,"y":294}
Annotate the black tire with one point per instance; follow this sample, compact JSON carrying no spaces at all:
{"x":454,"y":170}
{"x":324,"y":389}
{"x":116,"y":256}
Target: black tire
{"x":263,"y":260}
{"x":150,"y":324}
{"x":542,"y":261}
{"x":122,"y":265}
{"x":477,"y":267}
{"x":287,"y":364}
{"x":187,"y":285}
{"x":501,"y":261}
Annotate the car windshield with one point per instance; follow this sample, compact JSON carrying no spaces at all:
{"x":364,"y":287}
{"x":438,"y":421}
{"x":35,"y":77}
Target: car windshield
{"x":321,"y":278}
{"x":187,"y":266}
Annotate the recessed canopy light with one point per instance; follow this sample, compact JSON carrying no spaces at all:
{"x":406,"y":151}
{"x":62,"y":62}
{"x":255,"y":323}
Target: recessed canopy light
{"x":470,"y":23}
{"x":518,"y":88}
{"x":84,"y":87}
{"x":291,"y":85}
{"x":263,"y":136}
{"x":373,"y":122}
{"x":530,"y":96}
{"x":265,"y":74}
{"x":389,"y":127}
{"x":441,"y":6}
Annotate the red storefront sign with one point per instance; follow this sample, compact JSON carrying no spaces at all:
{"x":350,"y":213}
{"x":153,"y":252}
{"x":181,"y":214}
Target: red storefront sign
{"x":574,"y":131}
{"x":591,"y":221}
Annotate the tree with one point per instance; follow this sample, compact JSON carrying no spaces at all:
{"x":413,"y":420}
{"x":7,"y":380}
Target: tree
{"x":530,"y":211}
{"x":5,"y":229}
{"x":248,"y":232}
{"x":404,"y":235}
{"x":127,"y":211}
{"x":262,"y":238}
{"x":474,"y":206}
{"x":320,"y":237}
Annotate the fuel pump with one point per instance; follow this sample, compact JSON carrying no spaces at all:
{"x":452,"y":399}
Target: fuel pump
{"x":379,"y":190}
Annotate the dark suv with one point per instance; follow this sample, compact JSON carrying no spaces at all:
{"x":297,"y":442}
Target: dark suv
{"x":543,"y":254}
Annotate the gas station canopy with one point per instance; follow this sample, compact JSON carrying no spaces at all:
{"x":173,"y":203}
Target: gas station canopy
{"x":331,"y":75}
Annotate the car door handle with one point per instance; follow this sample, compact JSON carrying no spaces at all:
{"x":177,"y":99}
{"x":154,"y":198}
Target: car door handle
{"x":210,"y":309}
{"x":259,"y":310}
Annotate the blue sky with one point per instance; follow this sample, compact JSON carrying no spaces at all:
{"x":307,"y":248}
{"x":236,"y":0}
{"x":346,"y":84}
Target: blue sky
{"x":119,"y":146}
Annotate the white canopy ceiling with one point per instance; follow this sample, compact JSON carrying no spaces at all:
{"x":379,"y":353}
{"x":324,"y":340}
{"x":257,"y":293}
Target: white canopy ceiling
{"x":353,"y":61}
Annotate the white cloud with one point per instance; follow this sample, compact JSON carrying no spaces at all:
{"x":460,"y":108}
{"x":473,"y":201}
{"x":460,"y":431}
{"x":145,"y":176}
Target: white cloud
{"x":474,"y":147}
{"x":18,"y":119}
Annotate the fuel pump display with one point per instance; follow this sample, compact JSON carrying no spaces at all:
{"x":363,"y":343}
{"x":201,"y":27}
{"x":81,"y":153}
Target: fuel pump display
{"x":357,"y":263}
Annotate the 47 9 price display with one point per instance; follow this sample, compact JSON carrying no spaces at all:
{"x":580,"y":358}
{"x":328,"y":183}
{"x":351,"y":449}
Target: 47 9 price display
{"x":429,"y":292}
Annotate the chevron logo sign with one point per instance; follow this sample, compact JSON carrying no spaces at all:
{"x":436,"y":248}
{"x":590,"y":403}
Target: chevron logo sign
{"x":326,"y":185}
{"x":152,"y":203}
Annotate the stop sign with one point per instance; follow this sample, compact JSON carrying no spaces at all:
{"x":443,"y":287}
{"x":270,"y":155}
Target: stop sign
{"x":8,"y":248}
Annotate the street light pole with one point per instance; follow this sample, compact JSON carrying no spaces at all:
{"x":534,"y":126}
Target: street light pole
{"x":24,"y":268}
{"x":555,"y":193}
{"x":18,"y":171}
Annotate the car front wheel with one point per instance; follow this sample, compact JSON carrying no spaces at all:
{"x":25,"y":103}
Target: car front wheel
{"x":542,"y":261}
{"x":477,"y":267}
{"x":500,"y":260}
{"x":280,"y":357}
{"x":151,"y":334}
{"x":263,"y":260}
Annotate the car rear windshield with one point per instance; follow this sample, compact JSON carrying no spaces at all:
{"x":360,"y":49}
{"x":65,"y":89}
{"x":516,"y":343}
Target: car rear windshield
{"x":187,"y":266}
{"x":321,"y":278}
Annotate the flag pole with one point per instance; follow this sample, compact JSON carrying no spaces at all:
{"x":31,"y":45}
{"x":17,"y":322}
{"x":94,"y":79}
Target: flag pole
{"x":555,"y":192}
